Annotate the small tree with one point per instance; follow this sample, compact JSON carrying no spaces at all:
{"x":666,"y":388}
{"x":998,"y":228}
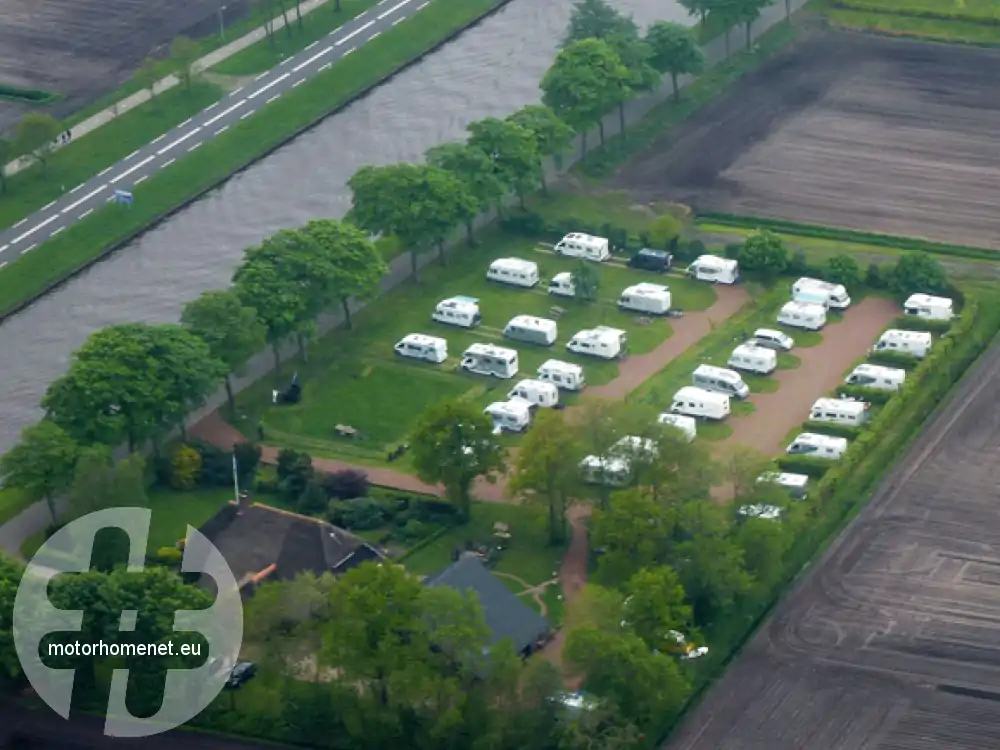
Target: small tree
{"x":41,"y":464}
{"x":247,"y":457}
{"x":765,"y":253}
{"x":586,"y":281}
{"x":552,"y":135}
{"x":596,"y":19}
{"x":183,"y":55}
{"x":675,"y":51}
{"x":185,"y":468}
{"x":843,"y":269}
{"x":6,"y":156}
{"x":147,"y":75}
{"x":917,"y":272}
{"x":35,"y":136}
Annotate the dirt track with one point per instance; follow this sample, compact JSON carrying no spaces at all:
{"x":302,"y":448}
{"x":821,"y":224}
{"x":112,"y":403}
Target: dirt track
{"x":868,"y":651}
{"x":846,"y":130}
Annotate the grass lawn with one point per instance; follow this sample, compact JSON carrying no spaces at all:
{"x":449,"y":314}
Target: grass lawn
{"x":803,"y":339}
{"x":612,"y":206}
{"x":12,"y":502}
{"x":217,"y":159}
{"x":32,"y":188}
{"x":788,"y":361}
{"x":264,"y":55}
{"x":981,"y":10}
{"x":925,"y":28}
{"x":174,"y":511}
{"x":354,"y":378}
{"x":528,"y":555}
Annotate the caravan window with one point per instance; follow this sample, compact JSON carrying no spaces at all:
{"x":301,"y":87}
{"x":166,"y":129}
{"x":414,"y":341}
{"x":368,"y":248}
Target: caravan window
{"x":862,"y":380}
{"x":803,"y":449}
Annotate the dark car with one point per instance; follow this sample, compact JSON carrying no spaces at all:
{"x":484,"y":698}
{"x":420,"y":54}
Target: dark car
{"x":651,"y":260}
{"x":242,"y":673}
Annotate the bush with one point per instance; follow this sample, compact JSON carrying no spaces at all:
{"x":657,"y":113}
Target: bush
{"x":692,"y":250}
{"x":413,"y":531}
{"x":170,"y":557}
{"x":733,"y":250}
{"x":875,"y":277}
{"x":162,"y":470}
{"x":216,"y":465}
{"x":526,"y":223}
{"x":894,"y":359}
{"x":295,"y":472}
{"x":843,"y":269}
{"x":362,"y":514}
{"x":913,"y":323}
{"x":185,"y":468}
{"x":797,"y":264}
{"x":247,"y":459}
{"x":312,"y":500}
{"x":664,"y":232}
{"x":871,"y":395}
{"x":918,"y":272}
{"x":346,"y":485}
{"x":837,"y":430}
{"x":813,"y":467}
{"x":267,"y":487}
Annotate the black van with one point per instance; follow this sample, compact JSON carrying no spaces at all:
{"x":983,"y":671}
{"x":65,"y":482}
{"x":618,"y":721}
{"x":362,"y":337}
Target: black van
{"x":646,"y":259}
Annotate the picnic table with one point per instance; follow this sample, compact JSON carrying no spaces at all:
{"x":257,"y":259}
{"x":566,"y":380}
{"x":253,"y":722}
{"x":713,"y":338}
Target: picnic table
{"x":344,"y":430}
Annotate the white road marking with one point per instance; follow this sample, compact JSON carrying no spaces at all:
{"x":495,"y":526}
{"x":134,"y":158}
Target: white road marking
{"x":29,"y":248}
{"x":194,"y":147}
{"x":327,"y":66}
{"x":298,"y":83}
{"x":185,"y":123}
{"x":131,"y":155}
{"x":130,"y":170}
{"x":141,"y":179}
{"x":382,"y":2}
{"x":33,"y":229}
{"x":177,"y":142}
{"x":86,"y":213}
{"x":57,"y":231}
{"x":222,"y":130}
{"x":286,"y":61}
{"x":210,"y":107}
{"x":4,"y":248}
{"x":399,"y":20}
{"x":348,"y":52}
{"x":421,"y":7}
{"x":104,"y":171}
{"x":47,"y":206}
{"x":3,"y":264}
{"x":237,"y":91}
{"x":354,"y":33}
{"x":310,"y":46}
{"x":76,"y":188}
{"x":245,"y":115}
{"x":312,"y":59}
{"x":225,"y":112}
{"x":374,"y":35}
{"x":273,"y":98}
{"x":393,"y":9}
{"x":262,"y":75}
{"x":168,"y":162}
{"x":273,"y":83}
{"x":19,"y":223}
{"x":84,"y":199}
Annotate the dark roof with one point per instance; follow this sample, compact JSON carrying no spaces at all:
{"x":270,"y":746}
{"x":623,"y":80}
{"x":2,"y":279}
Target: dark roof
{"x":506,"y":615}
{"x":262,"y":536}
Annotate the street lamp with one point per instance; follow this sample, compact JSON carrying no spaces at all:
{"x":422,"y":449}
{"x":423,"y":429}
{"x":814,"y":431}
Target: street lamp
{"x":222,"y":27}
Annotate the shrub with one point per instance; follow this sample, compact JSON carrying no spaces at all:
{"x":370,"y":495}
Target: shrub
{"x":413,"y":531}
{"x":247,"y":458}
{"x":871,"y":395}
{"x":691,"y":251}
{"x":346,"y":485}
{"x":843,"y":269}
{"x":185,"y":468}
{"x":837,"y":430}
{"x":162,"y":469}
{"x":216,"y":465}
{"x":312,"y":500}
{"x":918,"y":272}
{"x":525,"y":223}
{"x":171,"y":557}
{"x":913,"y":323}
{"x":733,"y":250}
{"x":797,"y":264}
{"x":664,"y":232}
{"x":765,"y":253}
{"x":813,"y":467}
{"x":874,"y":277}
{"x":295,"y":471}
{"x":362,"y":514}
{"x":894,"y":359}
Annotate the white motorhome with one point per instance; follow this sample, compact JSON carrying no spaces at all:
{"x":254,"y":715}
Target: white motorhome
{"x":794,"y":484}
{"x":750,"y":358}
{"x":688,"y":426}
{"x":615,"y":468}
{"x":513,"y":271}
{"x":802,"y":315}
{"x":843,"y":411}
{"x":565,"y":375}
{"x":814,"y":445}
{"x":836,"y":294}
{"x":720,"y":380}
{"x":929,"y":307}
{"x":602,"y":341}
{"x":419,"y":346}
{"x":458,"y":311}
{"x":812,"y":297}
{"x":535,"y":392}
{"x":697,"y":402}
{"x":914,"y":343}
{"x":715,"y":269}
{"x":562,"y":285}
{"x":509,"y":416}
{"x":586,"y":246}
{"x":532,"y":330}
{"x":486,"y":359}
{"x":763,"y":512}
{"x":878,"y":377}
{"x":652,"y":299}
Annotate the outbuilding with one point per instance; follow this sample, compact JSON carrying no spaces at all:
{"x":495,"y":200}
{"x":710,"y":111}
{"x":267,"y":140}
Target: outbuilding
{"x":697,"y":402}
{"x":419,"y":346}
{"x":651,"y":299}
{"x":532,"y":330}
{"x":756,"y":359}
{"x":566,"y":375}
{"x":513,"y":271}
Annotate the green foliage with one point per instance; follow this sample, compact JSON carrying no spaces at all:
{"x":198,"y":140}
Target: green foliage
{"x":313,"y":499}
{"x":843,"y":269}
{"x":586,"y":281}
{"x":969,"y":12}
{"x":675,"y":51}
{"x":664,"y":231}
{"x":474,"y":168}
{"x":99,"y":483}
{"x":829,"y":428}
{"x":918,"y":272}
{"x":552,"y":135}
{"x":596,"y":19}
{"x":41,"y":464}
{"x":512,"y":150}
{"x":871,"y":395}
{"x":915,"y":323}
{"x":183,"y":54}
{"x":185,"y":468}
{"x":894,"y":359}
{"x":147,"y":75}
{"x":6,"y":156}
{"x":35,"y":136}
{"x":765,"y":253}
{"x":813,"y":467}
{"x":171,"y":557}
{"x":247,"y":459}
{"x":656,"y":604}
{"x":295,"y":473}
{"x":10,"y":577}
{"x":29,"y":96}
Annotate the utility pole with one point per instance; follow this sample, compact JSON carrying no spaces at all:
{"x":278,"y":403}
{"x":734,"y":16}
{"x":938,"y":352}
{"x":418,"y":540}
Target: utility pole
{"x":222,"y":25}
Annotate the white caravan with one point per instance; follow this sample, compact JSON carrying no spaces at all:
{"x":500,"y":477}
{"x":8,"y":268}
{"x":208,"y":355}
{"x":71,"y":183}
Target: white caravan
{"x":586,"y":246}
{"x":812,"y":297}
{"x":535,"y":392}
{"x":513,"y":271}
{"x":802,"y":315}
{"x":794,"y":484}
{"x":615,"y":468}
{"x":750,"y":358}
{"x":562,"y":285}
{"x":836,"y":294}
{"x":486,"y":359}
{"x":929,"y":307}
{"x":697,"y":402}
{"x":814,"y":445}
{"x":532,"y":330}
{"x":603,"y":342}
{"x":565,"y":375}
{"x":419,"y":346}
{"x":652,"y":299}
{"x":509,"y":416}
{"x":877,"y":377}
{"x":763,"y":512}
{"x":688,"y":426}
{"x":772,"y":339}
{"x":914,"y":343}
{"x":715,"y":269}
{"x":458,"y":311}
{"x":720,"y":380}
{"x":842,"y":411}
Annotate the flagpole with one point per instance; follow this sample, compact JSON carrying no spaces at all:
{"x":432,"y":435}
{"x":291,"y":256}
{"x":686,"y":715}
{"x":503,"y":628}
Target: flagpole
{"x":236,"y":481}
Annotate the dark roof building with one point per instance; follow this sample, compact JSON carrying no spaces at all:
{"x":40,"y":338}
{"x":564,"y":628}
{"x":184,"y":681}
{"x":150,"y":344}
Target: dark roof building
{"x":260,"y":542}
{"x":506,"y":615}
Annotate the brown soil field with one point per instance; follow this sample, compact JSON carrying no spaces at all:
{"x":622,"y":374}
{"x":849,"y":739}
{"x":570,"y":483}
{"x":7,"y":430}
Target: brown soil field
{"x":892,"y":641}
{"x":846,"y":130}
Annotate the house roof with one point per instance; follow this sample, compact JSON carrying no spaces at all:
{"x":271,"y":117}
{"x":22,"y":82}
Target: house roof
{"x":506,"y":615}
{"x":260,"y":536}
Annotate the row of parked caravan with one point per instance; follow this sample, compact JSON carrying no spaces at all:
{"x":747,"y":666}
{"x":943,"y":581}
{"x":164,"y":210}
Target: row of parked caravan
{"x":811,"y":300}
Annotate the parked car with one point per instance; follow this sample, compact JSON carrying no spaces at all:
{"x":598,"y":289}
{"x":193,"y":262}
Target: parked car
{"x":242,"y":673}
{"x":647,"y":259}
{"x":772,"y":339}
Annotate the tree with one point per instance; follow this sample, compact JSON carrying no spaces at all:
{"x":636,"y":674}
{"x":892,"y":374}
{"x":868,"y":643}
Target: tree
{"x":635,"y":532}
{"x":10,"y":577}
{"x":147,"y":75}
{"x":656,"y":603}
{"x":35,"y":136}
{"x":99,"y":483}
{"x":183,"y":55}
{"x":453,"y":443}
{"x":586,"y":281}
{"x":231,"y":330}
{"x":698,"y":8}
{"x":264,"y":8}
{"x":713,"y":572}
{"x":356,"y":266}
{"x":41,"y":464}
{"x":595,"y":19}
{"x":637,"y":57}
{"x":475,"y":170}
{"x":547,"y":468}
{"x":552,"y":135}
{"x":764,"y":544}
{"x":843,"y":269}
{"x":918,"y":272}
{"x":446,"y":204}
{"x":6,"y":156}
{"x":741,"y":465}
{"x":764,"y":252}
{"x":131,"y":382}
{"x":745,"y":12}
{"x":586,"y":80}
{"x":675,"y":51}
{"x":512,"y":151}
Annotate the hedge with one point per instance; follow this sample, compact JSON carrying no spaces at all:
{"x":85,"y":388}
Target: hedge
{"x":894,"y":359}
{"x":917,"y":11}
{"x":31,"y":96}
{"x":913,"y":323}
{"x":830,"y":428}
{"x":871,"y":395}
{"x":812,"y":467}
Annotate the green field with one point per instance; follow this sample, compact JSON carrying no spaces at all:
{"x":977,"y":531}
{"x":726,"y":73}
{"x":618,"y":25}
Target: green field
{"x":354,"y":378}
{"x":967,"y":21}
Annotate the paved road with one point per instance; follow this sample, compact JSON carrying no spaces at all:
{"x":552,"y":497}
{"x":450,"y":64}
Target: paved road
{"x":82,"y":200}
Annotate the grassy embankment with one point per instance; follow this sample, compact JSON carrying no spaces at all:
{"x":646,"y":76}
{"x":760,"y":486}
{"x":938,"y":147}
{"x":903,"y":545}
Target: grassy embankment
{"x":962,"y":21}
